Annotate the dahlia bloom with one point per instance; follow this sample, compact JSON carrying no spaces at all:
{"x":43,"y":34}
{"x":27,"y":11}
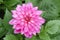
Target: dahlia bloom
{"x":26,"y":20}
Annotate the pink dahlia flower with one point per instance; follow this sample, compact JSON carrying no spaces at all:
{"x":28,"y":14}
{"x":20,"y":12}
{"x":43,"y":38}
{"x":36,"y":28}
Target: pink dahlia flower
{"x":26,"y":20}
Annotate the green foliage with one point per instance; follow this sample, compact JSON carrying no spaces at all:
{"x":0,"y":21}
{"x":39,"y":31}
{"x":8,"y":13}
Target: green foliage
{"x":35,"y":2}
{"x":33,"y":38}
{"x":11,"y":2}
{"x":0,"y":22}
{"x":1,"y":1}
{"x":2,"y":29}
{"x":50,"y":9}
{"x":10,"y":37}
{"x":6,"y":20}
{"x":19,"y":36}
{"x":43,"y":34}
{"x":57,"y":37}
{"x":49,"y":31}
{"x":57,"y":3}
{"x":52,"y":26}
{"x":2,"y":32}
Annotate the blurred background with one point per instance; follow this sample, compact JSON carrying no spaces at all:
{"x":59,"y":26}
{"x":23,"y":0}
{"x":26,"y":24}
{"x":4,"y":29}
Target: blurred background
{"x":51,"y":11}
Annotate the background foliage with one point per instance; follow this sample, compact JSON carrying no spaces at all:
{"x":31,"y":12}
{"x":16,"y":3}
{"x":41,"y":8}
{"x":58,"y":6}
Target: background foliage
{"x":51,"y":12}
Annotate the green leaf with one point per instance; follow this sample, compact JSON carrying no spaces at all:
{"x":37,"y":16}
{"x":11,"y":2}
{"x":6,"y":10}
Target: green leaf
{"x":1,"y":0}
{"x":19,"y":36}
{"x":33,"y":38}
{"x":2,"y":32}
{"x":57,"y":3}
{"x":0,"y":22}
{"x":2,"y":29}
{"x":58,"y":30}
{"x":43,"y":35}
{"x":50,"y":9}
{"x":56,"y":38}
{"x":36,"y":37}
{"x":6,"y":20}
{"x":52,"y":26}
{"x":35,"y":2}
{"x":10,"y":3}
{"x":10,"y":37}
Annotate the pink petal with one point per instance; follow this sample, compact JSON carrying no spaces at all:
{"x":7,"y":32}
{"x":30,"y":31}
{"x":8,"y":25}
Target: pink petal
{"x":29,"y":5}
{"x":13,"y":11}
{"x":17,"y":31}
{"x":13,"y":21}
{"x":18,"y":8}
{"x":28,"y":35}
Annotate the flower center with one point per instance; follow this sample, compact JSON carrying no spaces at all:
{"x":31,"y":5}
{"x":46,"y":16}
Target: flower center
{"x":27,"y":19}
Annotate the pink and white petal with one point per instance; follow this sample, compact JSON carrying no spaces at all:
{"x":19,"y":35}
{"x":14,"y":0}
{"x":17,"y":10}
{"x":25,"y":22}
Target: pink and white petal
{"x":35,"y":8}
{"x":32,"y":29}
{"x":27,"y":35}
{"x":41,"y":20}
{"x":17,"y":26}
{"x":36,"y":28}
{"x":23,"y":5}
{"x":15,"y":16}
{"x":13,"y":21}
{"x":29,"y":5}
{"x":37,"y":24}
{"x":22,"y":31}
{"x":14,"y":26}
{"x":25,"y":29}
{"x":34,"y":32}
{"x":30,"y":36}
{"x":38,"y":31}
{"x":38,"y":12}
{"x":18,"y":8}
{"x":17,"y":31}
{"x":13,"y":11}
